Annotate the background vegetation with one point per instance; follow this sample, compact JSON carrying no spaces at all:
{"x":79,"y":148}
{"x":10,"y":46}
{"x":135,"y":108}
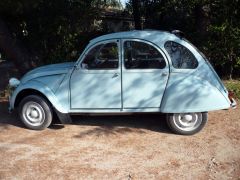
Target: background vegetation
{"x":233,"y":85}
{"x":35,"y":32}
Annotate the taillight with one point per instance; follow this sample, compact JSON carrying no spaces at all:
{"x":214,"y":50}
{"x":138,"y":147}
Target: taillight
{"x":230,"y":95}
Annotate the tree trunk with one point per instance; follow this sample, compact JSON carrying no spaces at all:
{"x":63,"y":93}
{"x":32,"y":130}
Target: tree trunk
{"x":231,"y":67}
{"x":14,"y":51}
{"x":136,"y":14}
{"x":202,"y":18}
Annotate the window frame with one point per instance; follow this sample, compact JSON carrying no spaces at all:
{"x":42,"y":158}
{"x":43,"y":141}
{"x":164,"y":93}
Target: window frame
{"x":90,"y":47}
{"x":139,"y":69}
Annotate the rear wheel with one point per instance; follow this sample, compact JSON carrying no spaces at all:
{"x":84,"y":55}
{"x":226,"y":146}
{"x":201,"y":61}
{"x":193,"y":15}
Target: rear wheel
{"x":187,"y":123}
{"x":35,"y":112}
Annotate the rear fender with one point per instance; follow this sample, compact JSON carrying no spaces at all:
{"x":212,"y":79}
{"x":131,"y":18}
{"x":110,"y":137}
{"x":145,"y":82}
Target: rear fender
{"x":192,"y":94}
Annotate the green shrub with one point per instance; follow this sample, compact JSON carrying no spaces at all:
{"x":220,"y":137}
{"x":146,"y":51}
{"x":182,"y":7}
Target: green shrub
{"x":233,"y":85}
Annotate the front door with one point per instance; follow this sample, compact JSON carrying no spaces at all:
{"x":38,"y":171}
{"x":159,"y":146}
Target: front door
{"x":96,"y":83}
{"x":144,"y":75}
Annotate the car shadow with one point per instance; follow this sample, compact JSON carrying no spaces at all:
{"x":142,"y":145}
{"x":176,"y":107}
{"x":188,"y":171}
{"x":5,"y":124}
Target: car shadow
{"x":113,"y":124}
{"x":103,"y":124}
{"x":7,"y":118}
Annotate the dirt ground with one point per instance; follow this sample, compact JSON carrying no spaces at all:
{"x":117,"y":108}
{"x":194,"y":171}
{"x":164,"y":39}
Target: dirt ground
{"x":120,"y":147}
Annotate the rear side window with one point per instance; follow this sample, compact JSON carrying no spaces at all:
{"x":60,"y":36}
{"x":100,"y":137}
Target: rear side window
{"x":182,"y":58}
{"x":140,"y":55}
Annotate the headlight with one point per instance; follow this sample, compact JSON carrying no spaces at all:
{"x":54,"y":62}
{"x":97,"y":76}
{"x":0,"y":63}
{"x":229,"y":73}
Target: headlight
{"x":14,"y":82}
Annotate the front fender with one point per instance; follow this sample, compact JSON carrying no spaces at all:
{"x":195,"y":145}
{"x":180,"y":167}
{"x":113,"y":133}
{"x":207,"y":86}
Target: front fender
{"x":40,"y":87}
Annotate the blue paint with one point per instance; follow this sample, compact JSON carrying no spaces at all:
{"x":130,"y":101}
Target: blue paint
{"x":72,"y":88}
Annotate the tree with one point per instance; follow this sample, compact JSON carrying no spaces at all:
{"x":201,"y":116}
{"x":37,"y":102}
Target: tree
{"x":214,"y":26}
{"x":35,"y":32}
{"x":13,"y":50}
{"x":224,"y":32}
{"x":136,"y":14}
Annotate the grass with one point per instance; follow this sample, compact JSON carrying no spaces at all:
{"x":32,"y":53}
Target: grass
{"x":233,"y":85}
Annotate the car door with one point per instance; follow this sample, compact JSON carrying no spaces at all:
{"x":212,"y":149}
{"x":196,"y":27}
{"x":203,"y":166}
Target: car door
{"x":96,"y":83}
{"x":144,"y":74}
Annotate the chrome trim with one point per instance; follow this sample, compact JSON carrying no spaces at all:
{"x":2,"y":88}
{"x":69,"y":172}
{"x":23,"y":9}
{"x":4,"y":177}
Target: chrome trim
{"x":233,"y":103}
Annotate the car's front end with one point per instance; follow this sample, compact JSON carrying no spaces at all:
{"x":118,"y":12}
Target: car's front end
{"x":39,"y":80}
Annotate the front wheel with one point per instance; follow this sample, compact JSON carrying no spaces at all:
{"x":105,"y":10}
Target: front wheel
{"x":35,"y":112}
{"x":187,"y":123}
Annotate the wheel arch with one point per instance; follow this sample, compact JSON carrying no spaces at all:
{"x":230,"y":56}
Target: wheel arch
{"x":63,"y":117}
{"x":26,"y":92}
{"x":36,"y":88}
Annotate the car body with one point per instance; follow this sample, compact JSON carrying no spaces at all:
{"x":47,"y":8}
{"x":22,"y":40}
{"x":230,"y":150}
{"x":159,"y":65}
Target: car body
{"x":126,"y":72}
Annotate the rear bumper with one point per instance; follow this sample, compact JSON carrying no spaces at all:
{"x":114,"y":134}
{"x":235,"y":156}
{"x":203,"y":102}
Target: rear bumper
{"x":233,"y":103}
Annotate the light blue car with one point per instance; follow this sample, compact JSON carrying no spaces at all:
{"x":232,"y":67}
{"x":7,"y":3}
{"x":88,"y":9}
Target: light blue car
{"x":125,"y":72}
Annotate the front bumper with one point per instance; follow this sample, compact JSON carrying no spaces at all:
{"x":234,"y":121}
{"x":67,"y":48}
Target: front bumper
{"x":10,"y":109}
{"x":10,"y":106}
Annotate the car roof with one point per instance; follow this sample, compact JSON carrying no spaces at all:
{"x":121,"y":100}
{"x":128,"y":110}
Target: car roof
{"x":155,"y":36}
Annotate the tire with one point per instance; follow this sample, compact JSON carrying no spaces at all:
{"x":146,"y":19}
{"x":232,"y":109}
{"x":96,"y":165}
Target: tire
{"x":35,"y":112}
{"x":187,"y":123}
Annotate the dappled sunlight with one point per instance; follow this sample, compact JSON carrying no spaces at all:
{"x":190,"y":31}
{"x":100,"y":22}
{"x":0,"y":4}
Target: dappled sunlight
{"x":192,"y":91}
{"x":95,"y":90}
{"x":108,"y":131}
{"x":143,"y":89}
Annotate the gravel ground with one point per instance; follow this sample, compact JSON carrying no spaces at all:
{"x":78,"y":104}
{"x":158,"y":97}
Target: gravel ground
{"x":120,"y":147}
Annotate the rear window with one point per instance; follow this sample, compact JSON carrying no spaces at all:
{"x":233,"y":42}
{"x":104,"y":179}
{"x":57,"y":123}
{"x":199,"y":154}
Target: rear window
{"x":182,"y":58}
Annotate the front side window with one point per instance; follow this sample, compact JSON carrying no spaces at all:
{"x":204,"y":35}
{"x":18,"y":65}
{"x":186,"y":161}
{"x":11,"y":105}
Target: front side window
{"x":140,"y":55}
{"x":181,"y":57}
{"x":102,"y":56}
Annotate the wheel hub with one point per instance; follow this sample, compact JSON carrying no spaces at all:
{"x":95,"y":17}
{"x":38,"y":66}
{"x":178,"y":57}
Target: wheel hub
{"x":187,"y":121}
{"x":188,"y":117}
{"x":33,"y":113}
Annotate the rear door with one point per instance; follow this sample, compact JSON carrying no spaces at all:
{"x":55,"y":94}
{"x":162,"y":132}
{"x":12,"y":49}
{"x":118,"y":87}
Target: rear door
{"x":145,"y":73}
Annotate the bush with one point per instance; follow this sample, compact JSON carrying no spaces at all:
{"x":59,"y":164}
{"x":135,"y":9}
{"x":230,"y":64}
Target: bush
{"x":233,"y":85}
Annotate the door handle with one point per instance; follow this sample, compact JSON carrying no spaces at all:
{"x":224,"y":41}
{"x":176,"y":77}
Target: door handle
{"x":115,"y":75}
{"x":164,"y":74}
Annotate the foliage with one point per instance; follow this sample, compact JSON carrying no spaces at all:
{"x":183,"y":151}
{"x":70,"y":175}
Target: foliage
{"x":214,"y":26}
{"x":55,"y":30}
{"x":233,"y":85}
{"x":58,"y":30}
{"x":6,"y":92}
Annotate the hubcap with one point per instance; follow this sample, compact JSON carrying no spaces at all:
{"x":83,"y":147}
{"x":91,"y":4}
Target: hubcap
{"x":33,"y":113}
{"x":187,"y":121}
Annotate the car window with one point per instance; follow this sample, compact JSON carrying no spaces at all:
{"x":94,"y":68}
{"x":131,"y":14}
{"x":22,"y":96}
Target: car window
{"x":102,"y":56}
{"x":181,"y":57}
{"x":140,"y":55}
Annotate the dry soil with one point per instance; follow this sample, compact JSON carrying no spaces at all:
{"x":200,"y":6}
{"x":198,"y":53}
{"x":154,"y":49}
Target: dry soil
{"x":120,"y":147}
